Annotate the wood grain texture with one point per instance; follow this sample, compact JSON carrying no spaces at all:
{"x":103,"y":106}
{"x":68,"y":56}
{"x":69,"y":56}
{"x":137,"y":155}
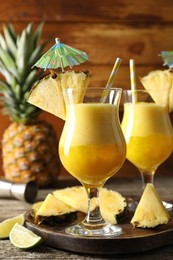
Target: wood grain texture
{"x":117,"y":11}
{"x":146,"y":239}
{"x":105,"y":42}
{"x":10,"y":208}
{"x":105,"y":29}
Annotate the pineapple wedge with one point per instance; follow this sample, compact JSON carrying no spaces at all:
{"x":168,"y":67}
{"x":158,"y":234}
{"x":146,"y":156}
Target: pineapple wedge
{"x":47,"y":93}
{"x":160,"y":85}
{"x":76,"y":197}
{"x":52,"y":207}
{"x":111,"y":203}
{"x":35,"y":207}
{"x":150,"y":211}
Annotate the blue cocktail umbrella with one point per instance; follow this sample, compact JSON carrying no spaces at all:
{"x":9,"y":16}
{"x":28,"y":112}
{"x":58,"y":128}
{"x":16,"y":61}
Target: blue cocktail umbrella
{"x":60,"y":56}
{"x":167,"y":57}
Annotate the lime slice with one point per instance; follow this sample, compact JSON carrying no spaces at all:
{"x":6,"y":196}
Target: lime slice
{"x":7,"y":225}
{"x":23,"y":238}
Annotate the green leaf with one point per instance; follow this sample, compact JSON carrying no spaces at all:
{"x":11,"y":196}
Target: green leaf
{"x":30,"y":109}
{"x":3,"y":85}
{"x":30,"y":38}
{"x":3,"y":42}
{"x":35,"y":55}
{"x":12,"y":32}
{"x":24,"y":51}
{"x":17,"y":55}
{"x":10,"y":40}
{"x":29,"y":29}
{"x":21,"y":50}
{"x":38,"y":33}
{"x":5,"y":73}
{"x":8,"y":62}
{"x":17,"y":91}
{"x":30,"y":80}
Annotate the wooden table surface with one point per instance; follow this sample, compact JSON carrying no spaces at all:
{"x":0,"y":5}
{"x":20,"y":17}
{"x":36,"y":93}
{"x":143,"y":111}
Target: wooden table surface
{"x":10,"y":208}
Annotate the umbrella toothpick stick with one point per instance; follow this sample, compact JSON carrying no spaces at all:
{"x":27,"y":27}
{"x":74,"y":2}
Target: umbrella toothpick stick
{"x":111,"y":79}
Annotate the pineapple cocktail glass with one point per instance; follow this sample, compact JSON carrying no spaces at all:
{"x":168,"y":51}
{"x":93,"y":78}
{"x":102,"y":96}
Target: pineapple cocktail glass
{"x":92,"y":148}
{"x":148,"y":132}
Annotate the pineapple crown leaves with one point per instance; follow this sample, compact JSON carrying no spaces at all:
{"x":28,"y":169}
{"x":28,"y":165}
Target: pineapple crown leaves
{"x":18,"y":53}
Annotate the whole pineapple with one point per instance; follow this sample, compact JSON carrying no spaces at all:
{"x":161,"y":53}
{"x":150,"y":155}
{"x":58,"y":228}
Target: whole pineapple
{"x":29,"y":146}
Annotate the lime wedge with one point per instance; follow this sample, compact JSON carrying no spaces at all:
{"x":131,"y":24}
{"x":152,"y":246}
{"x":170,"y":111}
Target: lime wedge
{"x":7,"y":225}
{"x":23,"y":238}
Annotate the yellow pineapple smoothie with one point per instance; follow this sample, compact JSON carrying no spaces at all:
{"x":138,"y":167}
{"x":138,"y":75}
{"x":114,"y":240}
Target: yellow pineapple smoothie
{"x":91,"y":147}
{"x":148,"y":133}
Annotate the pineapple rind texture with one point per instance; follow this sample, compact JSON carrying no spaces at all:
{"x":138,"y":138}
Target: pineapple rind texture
{"x":160,"y":85}
{"x":112,"y":203}
{"x":47,"y":95}
{"x":52,"y":206}
{"x":50,"y":89}
{"x":150,"y":211}
{"x":51,"y":210}
{"x":30,"y":152}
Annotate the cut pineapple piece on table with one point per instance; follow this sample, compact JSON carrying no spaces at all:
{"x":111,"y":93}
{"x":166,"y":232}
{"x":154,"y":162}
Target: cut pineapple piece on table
{"x":35,"y":207}
{"x":75,"y":197}
{"x":53,"y":207}
{"x":111,"y":203}
{"x":150,"y":211}
{"x":160,"y":85}
{"x":47,"y":93}
{"x":23,"y":238}
{"x":7,"y":225}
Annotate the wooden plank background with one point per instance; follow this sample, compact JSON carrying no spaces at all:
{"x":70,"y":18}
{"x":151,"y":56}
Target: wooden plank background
{"x":105,"y":29}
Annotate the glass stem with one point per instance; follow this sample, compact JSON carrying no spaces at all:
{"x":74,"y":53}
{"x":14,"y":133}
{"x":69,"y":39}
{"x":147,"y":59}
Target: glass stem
{"x":93,"y":217}
{"x":147,"y":177}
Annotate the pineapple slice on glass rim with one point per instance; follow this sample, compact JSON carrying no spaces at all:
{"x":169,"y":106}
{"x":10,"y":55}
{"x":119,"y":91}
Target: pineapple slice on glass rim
{"x":160,"y":85}
{"x":47,"y":93}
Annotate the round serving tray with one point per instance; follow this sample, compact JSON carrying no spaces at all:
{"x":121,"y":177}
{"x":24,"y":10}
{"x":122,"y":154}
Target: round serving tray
{"x":130,"y":241}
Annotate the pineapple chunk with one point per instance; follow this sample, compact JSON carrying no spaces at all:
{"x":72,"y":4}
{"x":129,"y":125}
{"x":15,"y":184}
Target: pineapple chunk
{"x":76,"y":197}
{"x":35,"y":207}
{"x":52,"y":209}
{"x":47,"y":93}
{"x":111,"y":203}
{"x":150,"y":211}
{"x":160,"y":85}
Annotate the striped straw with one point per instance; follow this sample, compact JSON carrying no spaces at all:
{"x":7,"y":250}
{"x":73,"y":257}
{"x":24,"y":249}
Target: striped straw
{"x":111,"y":79}
{"x":133,"y":79}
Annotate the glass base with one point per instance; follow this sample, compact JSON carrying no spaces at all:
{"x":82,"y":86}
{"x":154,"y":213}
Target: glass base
{"x":168,"y":206}
{"x":106,"y":230}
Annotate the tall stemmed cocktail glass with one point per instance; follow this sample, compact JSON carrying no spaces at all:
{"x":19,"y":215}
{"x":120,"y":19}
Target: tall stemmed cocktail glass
{"x":148,"y":132}
{"x":92,"y":148}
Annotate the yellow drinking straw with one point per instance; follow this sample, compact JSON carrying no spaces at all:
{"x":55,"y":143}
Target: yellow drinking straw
{"x":111,"y":79}
{"x":133,"y":80}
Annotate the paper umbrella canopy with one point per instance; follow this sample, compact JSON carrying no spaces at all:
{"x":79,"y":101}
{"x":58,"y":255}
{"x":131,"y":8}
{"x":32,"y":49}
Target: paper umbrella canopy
{"x":167,"y":57}
{"x":60,"y":56}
